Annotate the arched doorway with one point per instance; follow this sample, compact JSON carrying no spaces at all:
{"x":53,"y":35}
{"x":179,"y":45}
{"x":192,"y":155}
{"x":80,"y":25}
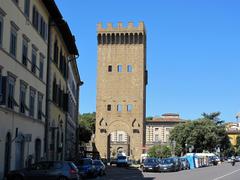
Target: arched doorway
{"x":118,"y":143}
{"x":7,"y":154}
{"x":38,"y":150}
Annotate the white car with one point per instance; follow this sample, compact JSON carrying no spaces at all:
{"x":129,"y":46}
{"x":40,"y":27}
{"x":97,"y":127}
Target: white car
{"x":229,"y":160}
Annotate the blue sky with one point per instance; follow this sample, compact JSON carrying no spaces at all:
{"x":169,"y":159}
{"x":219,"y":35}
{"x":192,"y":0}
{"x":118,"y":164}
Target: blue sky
{"x":193,"y":52}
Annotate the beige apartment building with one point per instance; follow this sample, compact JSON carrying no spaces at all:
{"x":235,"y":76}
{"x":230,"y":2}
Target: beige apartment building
{"x":23,"y":65}
{"x":36,"y":47}
{"x":62,"y":50}
{"x":121,"y":87}
{"x":158,"y":129}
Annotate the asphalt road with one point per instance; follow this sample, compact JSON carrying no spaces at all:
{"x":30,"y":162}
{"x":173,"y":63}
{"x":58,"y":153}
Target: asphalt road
{"x":223,"y":171}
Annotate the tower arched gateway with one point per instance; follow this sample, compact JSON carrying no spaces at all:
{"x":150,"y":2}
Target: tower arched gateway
{"x":121,"y":89}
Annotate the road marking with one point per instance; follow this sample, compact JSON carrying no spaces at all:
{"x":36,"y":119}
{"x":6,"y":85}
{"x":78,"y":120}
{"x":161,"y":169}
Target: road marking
{"x":227,"y":174}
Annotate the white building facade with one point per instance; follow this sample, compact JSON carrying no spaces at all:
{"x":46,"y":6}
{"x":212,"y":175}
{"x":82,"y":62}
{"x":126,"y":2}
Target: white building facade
{"x":23,"y":64}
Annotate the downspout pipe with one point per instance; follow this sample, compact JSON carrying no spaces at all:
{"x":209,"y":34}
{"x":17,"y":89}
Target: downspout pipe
{"x":47,"y":120}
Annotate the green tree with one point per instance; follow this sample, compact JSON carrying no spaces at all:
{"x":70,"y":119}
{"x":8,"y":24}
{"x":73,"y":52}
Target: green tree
{"x":238,"y":141}
{"x":214,"y":116}
{"x":149,"y":118}
{"x":84,"y":134}
{"x":88,"y":120}
{"x":86,"y":126}
{"x":159,"y":151}
{"x":206,"y":133}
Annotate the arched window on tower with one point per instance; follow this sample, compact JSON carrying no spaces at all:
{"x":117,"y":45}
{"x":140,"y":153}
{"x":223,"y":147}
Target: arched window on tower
{"x":99,"y":39}
{"x":104,"y":39}
{"x":117,"y":38}
{"x":126,"y":38}
{"x":140,"y":38}
{"x":113,"y":39}
{"x":135,"y":38}
{"x":108,"y":39}
{"x":122,"y":38}
{"x":131,"y":38}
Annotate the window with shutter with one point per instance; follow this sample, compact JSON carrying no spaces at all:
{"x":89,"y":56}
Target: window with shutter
{"x":13,"y":42}
{"x":40,"y":101}
{"x":27,"y":7}
{"x":11,"y":87}
{"x":24,"y":52}
{"x":23,"y":90}
{"x":34,"y":60}
{"x":1,"y":30}
{"x":54,"y":91}
{"x":32,"y":102}
{"x":3,"y":90}
{"x":55,"y":57}
{"x":65,"y":100}
{"x":1,"y":95}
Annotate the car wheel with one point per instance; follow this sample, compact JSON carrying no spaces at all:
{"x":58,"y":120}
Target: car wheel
{"x":62,"y":178}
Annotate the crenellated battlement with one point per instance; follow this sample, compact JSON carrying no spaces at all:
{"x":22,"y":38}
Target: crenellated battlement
{"x":120,"y":28}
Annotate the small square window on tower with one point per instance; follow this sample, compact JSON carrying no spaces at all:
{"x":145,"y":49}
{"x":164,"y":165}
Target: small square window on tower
{"x":129,"y":68}
{"x":109,"y":107}
{"x":119,"y":68}
{"x":110,"y":68}
{"x":129,"y":107}
{"x":119,"y":108}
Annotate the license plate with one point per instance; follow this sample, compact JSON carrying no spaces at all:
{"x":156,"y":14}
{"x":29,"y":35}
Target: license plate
{"x":150,"y":168}
{"x":164,"y":168}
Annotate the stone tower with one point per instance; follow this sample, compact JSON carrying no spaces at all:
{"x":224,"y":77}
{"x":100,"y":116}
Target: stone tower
{"x":121,"y":88}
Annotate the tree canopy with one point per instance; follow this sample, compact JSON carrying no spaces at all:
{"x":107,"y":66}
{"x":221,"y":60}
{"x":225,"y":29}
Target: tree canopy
{"x":204,"y":134}
{"x":86,"y":126}
{"x":159,"y":151}
{"x":88,"y":120}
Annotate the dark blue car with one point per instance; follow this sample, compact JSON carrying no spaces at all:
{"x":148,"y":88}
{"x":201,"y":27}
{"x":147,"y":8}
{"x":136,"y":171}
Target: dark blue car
{"x":100,"y":167}
{"x":151,"y":164}
{"x":86,"y":167}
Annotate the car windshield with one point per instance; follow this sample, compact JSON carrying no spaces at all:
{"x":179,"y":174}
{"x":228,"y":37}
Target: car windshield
{"x":97,"y":162}
{"x":167,"y":161}
{"x":122,"y":157}
{"x":151,"y":160}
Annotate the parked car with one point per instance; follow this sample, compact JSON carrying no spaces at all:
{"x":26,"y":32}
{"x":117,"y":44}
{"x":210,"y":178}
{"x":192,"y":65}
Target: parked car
{"x":113,"y":161}
{"x":229,"y":160}
{"x":151,"y":164}
{"x":237,"y":158}
{"x":122,"y":160}
{"x":213,"y":160}
{"x":86,"y":167}
{"x":100,"y":167}
{"x":184,"y":163}
{"x":170,"y":164}
{"x":47,"y":170}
